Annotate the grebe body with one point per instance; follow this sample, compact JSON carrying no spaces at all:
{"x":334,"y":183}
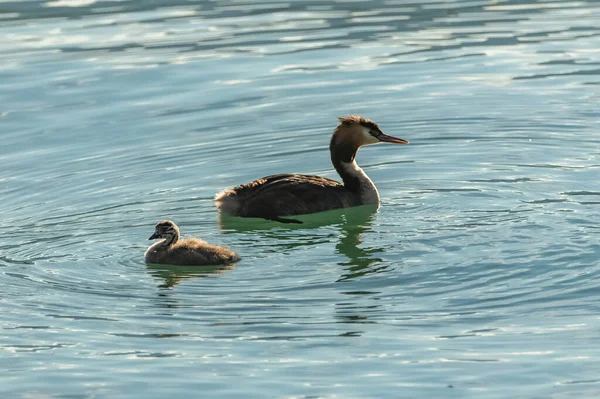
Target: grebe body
{"x":276,"y":196}
{"x":189,"y":252}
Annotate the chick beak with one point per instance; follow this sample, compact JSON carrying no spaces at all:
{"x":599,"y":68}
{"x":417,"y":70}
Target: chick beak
{"x":153,"y":237}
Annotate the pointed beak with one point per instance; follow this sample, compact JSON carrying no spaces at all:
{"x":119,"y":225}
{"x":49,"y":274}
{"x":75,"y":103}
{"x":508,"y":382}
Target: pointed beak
{"x":153,"y":237}
{"x":389,"y":139}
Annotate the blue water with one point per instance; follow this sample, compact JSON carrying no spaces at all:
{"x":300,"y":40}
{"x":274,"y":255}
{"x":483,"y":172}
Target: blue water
{"x":478,"y":277}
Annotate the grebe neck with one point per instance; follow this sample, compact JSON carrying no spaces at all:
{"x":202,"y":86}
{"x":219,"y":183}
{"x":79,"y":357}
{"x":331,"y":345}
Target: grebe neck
{"x":354,"y":178}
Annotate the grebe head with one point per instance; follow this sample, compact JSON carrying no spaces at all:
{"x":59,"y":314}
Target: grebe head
{"x":167,"y":230}
{"x":357,"y":131}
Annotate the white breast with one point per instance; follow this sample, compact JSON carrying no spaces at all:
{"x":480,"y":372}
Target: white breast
{"x":368,"y":191}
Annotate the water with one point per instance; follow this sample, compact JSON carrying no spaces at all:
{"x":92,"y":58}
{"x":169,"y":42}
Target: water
{"x":478,"y":276}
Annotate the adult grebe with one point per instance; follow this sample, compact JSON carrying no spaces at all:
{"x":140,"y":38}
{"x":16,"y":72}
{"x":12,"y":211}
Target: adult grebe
{"x":291,"y":194}
{"x":189,"y":252}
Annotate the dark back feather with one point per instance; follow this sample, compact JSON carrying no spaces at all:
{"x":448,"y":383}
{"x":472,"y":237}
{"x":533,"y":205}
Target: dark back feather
{"x":292,"y":194}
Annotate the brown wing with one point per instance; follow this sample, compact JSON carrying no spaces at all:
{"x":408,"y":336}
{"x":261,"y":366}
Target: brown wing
{"x":292,"y":194}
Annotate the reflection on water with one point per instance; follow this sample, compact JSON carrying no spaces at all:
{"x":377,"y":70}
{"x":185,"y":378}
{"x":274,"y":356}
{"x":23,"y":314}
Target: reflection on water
{"x":345,"y":216}
{"x":170,"y":275}
{"x":361,"y":260}
{"x":349,"y":224}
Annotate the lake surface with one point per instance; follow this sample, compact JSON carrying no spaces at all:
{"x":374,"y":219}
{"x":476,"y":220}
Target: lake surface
{"x":479,"y":276}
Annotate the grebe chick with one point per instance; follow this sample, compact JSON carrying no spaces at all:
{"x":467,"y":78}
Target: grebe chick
{"x":275,"y":196}
{"x":189,"y":252}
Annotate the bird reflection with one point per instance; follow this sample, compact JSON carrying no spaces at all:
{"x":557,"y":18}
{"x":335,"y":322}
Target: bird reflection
{"x":170,"y":276}
{"x":352,"y":223}
{"x":361,"y":261}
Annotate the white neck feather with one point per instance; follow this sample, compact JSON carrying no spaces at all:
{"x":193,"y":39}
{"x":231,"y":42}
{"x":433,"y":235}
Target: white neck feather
{"x":368,"y":192}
